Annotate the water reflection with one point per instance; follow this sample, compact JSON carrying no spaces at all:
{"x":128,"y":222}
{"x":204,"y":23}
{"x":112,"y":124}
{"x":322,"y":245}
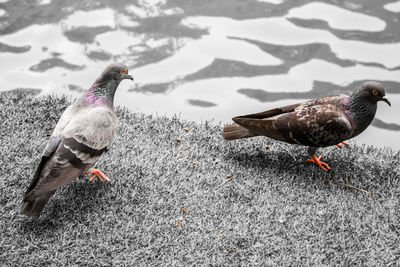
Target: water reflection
{"x":209,"y":59}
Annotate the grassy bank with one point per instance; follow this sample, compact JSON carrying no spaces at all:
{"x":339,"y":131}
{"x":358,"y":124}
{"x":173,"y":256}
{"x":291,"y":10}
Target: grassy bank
{"x":245,"y":204}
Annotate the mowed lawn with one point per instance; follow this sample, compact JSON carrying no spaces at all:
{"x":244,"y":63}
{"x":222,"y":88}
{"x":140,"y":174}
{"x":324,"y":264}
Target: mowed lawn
{"x":200,"y":201}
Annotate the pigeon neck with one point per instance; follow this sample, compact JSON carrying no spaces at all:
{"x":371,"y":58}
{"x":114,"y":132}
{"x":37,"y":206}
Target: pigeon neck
{"x":361,"y":110}
{"x":102,"y":93}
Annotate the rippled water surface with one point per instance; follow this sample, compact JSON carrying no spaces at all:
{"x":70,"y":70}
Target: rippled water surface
{"x":208,"y":59}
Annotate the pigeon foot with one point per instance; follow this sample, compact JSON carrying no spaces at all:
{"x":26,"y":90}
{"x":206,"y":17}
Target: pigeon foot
{"x":340,"y":144}
{"x":320,"y":163}
{"x":97,"y":173}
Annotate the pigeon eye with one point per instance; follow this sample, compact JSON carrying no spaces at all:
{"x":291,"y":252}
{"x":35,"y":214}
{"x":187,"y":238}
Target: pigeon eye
{"x":374,"y":92}
{"x":123,"y":71}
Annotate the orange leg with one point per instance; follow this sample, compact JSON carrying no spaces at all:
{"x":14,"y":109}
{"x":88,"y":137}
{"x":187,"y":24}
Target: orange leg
{"x":320,"y":163}
{"x":97,"y":173}
{"x":344,"y":143}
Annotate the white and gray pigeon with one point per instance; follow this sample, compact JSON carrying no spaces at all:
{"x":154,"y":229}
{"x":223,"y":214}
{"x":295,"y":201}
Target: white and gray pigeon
{"x":83,"y":133}
{"x":316,"y":123}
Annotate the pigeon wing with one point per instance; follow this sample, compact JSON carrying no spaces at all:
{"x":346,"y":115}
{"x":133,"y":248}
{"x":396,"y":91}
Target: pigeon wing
{"x":48,"y":152}
{"x":262,"y":123}
{"x":316,"y":126}
{"x":269,"y":113}
{"x":319,"y":122}
{"x":83,"y":140}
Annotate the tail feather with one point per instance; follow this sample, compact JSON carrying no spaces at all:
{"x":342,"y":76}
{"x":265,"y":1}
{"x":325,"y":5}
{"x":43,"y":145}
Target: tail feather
{"x":235,"y":131}
{"x":34,"y":207}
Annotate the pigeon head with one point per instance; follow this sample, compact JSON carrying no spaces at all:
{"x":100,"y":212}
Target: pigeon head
{"x":362,"y":104}
{"x":372,"y":92}
{"x":103,"y":89}
{"x":114,"y":73}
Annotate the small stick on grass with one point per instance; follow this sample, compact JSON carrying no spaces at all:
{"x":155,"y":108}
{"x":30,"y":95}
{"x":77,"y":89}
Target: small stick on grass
{"x":348,"y":185}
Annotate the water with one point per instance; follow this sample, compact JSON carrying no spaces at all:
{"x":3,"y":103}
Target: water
{"x":207,"y":59}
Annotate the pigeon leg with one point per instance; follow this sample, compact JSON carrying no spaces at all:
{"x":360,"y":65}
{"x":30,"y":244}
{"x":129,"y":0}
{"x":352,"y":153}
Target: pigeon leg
{"x":340,"y":144}
{"x":97,"y":173}
{"x":318,"y":161}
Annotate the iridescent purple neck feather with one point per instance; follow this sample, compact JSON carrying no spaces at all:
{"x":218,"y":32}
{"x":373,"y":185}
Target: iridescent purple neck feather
{"x":103,"y":89}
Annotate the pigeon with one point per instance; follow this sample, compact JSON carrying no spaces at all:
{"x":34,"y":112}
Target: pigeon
{"x":83,"y":133}
{"x":315,"y":123}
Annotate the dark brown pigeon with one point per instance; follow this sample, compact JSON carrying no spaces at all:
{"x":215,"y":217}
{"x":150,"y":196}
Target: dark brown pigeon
{"x":83,"y":133}
{"x":316,"y":123}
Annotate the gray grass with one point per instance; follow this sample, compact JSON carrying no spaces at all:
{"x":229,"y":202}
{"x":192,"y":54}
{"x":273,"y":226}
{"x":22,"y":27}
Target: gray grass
{"x":274,"y":210}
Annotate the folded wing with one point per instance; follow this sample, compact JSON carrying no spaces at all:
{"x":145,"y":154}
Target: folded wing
{"x":72,"y":150}
{"x":316,"y":123}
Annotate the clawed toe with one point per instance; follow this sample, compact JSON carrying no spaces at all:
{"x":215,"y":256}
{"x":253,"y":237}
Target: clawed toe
{"x":340,"y":144}
{"x":97,"y":173}
{"x":320,"y":163}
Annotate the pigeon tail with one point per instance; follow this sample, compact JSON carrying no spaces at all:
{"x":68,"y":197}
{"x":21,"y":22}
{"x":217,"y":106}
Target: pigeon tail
{"x":235,"y":131}
{"x":35,"y":207}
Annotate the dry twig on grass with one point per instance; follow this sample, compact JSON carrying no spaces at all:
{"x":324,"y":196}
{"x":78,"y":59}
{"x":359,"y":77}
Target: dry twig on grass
{"x":348,"y":185}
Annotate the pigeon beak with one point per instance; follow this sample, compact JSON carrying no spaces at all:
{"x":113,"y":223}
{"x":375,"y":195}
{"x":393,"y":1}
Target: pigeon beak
{"x":386,"y":100}
{"x":127,"y":76}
